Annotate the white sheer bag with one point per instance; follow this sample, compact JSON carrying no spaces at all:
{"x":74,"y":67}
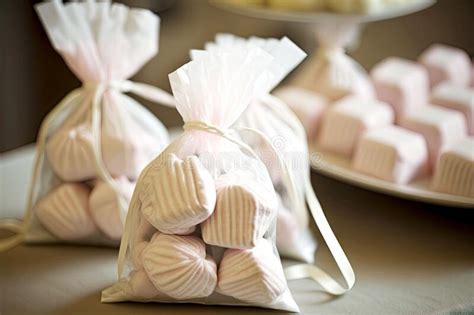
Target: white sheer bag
{"x":201,"y":223}
{"x":92,"y":146}
{"x":273,"y":118}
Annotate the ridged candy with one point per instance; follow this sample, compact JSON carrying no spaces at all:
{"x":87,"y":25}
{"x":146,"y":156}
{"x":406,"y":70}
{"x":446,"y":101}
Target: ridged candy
{"x":179,"y":266}
{"x":252,"y":275}
{"x":65,"y":212}
{"x":242,"y":215}
{"x":178,"y":196}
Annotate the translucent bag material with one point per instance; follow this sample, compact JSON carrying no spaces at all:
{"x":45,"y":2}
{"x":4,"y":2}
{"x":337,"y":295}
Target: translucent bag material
{"x":201,"y":224}
{"x":96,"y":135}
{"x":335,"y":73}
{"x":275,"y":120}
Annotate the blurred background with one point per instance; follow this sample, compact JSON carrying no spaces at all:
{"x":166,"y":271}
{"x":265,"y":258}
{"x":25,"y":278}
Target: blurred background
{"x":34,"y":78}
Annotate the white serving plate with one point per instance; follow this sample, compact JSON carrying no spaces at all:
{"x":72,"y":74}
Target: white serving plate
{"x":322,"y":16}
{"x":339,"y":167}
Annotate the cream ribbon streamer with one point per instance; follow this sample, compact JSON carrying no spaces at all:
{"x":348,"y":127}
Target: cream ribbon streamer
{"x":151,"y":93}
{"x":299,"y":271}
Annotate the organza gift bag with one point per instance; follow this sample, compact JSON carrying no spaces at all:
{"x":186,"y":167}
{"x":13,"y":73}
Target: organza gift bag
{"x":201,"y":224}
{"x":271,"y":116}
{"x":92,"y":146}
{"x":276,"y":121}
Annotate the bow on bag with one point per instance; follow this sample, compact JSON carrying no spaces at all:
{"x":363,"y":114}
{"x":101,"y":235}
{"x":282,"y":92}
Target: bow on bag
{"x":96,"y":90}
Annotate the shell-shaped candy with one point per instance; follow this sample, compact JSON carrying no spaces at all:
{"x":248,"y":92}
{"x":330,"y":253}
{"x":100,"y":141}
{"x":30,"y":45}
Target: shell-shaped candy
{"x":252,"y":275}
{"x":139,"y":286}
{"x":178,"y":265}
{"x":179,"y":195}
{"x":241,"y":217}
{"x":105,"y":207}
{"x":70,"y":153}
{"x":65,"y":212}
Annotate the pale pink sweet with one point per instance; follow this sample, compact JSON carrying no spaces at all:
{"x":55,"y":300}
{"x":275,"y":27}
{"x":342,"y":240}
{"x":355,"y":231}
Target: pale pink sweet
{"x":126,"y":146}
{"x":70,"y":153}
{"x":455,"y":171}
{"x":242,"y":214}
{"x":391,"y":153}
{"x":401,"y":83}
{"x":440,"y":126}
{"x":348,"y":118}
{"x":140,"y":287}
{"x":446,"y":63}
{"x":64,"y":212}
{"x":179,"y":266}
{"x":287,"y":230}
{"x":252,"y":275}
{"x":458,"y":98}
{"x":105,"y":207}
{"x":307,"y":105}
{"x":178,"y":195}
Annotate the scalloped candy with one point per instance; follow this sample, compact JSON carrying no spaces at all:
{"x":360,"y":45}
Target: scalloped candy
{"x":179,"y":195}
{"x":252,"y":275}
{"x":179,"y":266}
{"x":64,"y":212}
{"x":243,"y":213}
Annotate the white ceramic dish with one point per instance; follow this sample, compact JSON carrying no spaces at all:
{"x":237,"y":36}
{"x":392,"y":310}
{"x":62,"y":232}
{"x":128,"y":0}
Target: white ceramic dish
{"x":322,"y":16}
{"x":338,"y":167}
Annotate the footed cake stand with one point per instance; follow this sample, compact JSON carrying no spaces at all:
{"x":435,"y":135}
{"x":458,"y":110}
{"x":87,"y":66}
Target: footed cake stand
{"x":334,"y":31}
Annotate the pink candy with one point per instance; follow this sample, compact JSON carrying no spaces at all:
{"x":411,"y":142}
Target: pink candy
{"x":458,"y":98}
{"x":391,"y":153}
{"x":401,"y":83}
{"x":65,"y":212}
{"x":308,"y":106}
{"x":446,"y":64}
{"x":455,"y":172}
{"x":441,"y":128}
{"x":348,"y":118}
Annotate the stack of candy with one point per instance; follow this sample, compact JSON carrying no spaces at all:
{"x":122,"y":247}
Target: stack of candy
{"x":431,"y":103}
{"x":201,"y":223}
{"x":92,"y":146}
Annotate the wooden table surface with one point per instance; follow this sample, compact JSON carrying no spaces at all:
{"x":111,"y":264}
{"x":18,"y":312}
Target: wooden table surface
{"x":409,"y":258}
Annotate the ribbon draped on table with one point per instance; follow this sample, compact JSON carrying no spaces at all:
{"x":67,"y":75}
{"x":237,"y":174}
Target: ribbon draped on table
{"x":97,"y":90}
{"x":301,"y":271}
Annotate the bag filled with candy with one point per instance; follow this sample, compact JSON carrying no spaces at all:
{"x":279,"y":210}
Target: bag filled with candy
{"x":92,"y":146}
{"x":202,"y":220}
